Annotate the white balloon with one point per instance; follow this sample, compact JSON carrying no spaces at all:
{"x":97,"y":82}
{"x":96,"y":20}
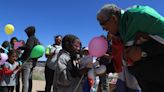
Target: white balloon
{"x":101,"y":69}
{"x":85,"y":60}
{"x":91,"y":74}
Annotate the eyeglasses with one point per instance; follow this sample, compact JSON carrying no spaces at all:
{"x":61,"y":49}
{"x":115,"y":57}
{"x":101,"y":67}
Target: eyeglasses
{"x":103,"y":23}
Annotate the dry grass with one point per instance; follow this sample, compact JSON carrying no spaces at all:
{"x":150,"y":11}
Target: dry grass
{"x":38,"y":86}
{"x":38,"y":80}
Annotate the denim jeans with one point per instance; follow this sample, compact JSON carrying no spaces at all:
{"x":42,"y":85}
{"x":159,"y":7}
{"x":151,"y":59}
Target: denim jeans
{"x":7,"y":89}
{"x":27,"y":69}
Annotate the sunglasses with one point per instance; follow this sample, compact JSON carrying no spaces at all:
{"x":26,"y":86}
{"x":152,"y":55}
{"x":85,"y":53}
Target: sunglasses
{"x":104,"y":22}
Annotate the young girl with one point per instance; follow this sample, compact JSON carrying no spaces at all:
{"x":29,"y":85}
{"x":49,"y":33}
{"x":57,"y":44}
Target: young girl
{"x":10,"y":69}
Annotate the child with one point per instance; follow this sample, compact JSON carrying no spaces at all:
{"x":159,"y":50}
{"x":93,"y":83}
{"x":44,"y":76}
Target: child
{"x":10,"y":70}
{"x":67,"y":75}
{"x":5,"y":47}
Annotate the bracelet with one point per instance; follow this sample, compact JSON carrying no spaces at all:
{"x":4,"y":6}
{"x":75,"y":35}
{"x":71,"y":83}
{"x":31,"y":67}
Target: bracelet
{"x":143,"y":54}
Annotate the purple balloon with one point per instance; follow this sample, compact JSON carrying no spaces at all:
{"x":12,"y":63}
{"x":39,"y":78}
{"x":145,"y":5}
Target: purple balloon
{"x":3,"y":58}
{"x":98,"y":46}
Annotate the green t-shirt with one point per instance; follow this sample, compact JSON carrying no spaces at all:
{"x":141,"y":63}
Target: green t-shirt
{"x":140,"y":19}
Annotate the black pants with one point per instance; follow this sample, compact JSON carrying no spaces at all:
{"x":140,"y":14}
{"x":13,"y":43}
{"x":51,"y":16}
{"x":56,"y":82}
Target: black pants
{"x":49,"y":75}
{"x":18,"y":83}
{"x":150,"y":75}
{"x":7,"y":88}
{"x":149,"y":71}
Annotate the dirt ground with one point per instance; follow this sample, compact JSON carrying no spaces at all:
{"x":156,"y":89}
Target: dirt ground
{"x":38,"y":86}
{"x":38,"y":79}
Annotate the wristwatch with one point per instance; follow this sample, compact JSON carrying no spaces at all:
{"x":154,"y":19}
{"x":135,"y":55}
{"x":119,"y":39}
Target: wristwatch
{"x":143,"y":54}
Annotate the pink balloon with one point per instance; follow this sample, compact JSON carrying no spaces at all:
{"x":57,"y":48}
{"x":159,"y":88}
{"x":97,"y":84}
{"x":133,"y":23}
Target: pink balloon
{"x":3,"y":58}
{"x":98,"y":46}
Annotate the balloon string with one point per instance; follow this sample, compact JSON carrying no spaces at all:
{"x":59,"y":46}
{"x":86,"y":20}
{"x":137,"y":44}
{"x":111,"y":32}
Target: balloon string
{"x":4,"y":49}
{"x":27,"y":59}
{"x":9,"y":38}
{"x":79,"y":83}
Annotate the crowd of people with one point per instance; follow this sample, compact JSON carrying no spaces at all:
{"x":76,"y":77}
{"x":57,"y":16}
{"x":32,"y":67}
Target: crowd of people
{"x":135,"y":52}
{"x":18,"y":61}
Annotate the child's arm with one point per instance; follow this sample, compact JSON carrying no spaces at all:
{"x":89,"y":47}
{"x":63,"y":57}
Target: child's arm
{"x":7,"y":71}
{"x":17,"y":69}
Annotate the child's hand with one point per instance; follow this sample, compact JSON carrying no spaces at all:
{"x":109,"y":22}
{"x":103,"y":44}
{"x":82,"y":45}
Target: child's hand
{"x":49,"y":55}
{"x":17,"y":68}
{"x":86,"y":61}
{"x":89,"y":65}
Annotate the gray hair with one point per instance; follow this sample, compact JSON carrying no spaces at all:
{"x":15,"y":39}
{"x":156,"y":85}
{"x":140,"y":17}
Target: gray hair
{"x":108,"y":10}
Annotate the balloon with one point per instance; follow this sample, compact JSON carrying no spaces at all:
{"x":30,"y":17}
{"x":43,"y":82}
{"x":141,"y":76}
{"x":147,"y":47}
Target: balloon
{"x":3,"y":57}
{"x":37,"y":51}
{"x":98,"y":46}
{"x":18,"y":44}
{"x":101,"y":69}
{"x":9,"y":29}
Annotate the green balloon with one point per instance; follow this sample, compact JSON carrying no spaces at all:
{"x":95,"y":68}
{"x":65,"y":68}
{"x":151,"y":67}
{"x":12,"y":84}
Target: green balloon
{"x":37,"y":51}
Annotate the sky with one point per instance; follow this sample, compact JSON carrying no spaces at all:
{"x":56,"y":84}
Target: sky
{"x":60,"y":17}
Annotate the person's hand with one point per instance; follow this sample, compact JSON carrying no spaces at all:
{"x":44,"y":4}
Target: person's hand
{"x":17,"y":68}
{"x":49,"y":55}
{"x":101,"y":71}
{"x":107,"y":56}
{"x":19,"y":48}
{"x":89,"y":65}
{"x":134,"y":53}
{"x":141,"y":38}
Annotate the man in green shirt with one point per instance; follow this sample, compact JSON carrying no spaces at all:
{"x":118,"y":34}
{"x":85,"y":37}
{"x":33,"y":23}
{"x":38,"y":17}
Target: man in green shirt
{"x":141,"y":31}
